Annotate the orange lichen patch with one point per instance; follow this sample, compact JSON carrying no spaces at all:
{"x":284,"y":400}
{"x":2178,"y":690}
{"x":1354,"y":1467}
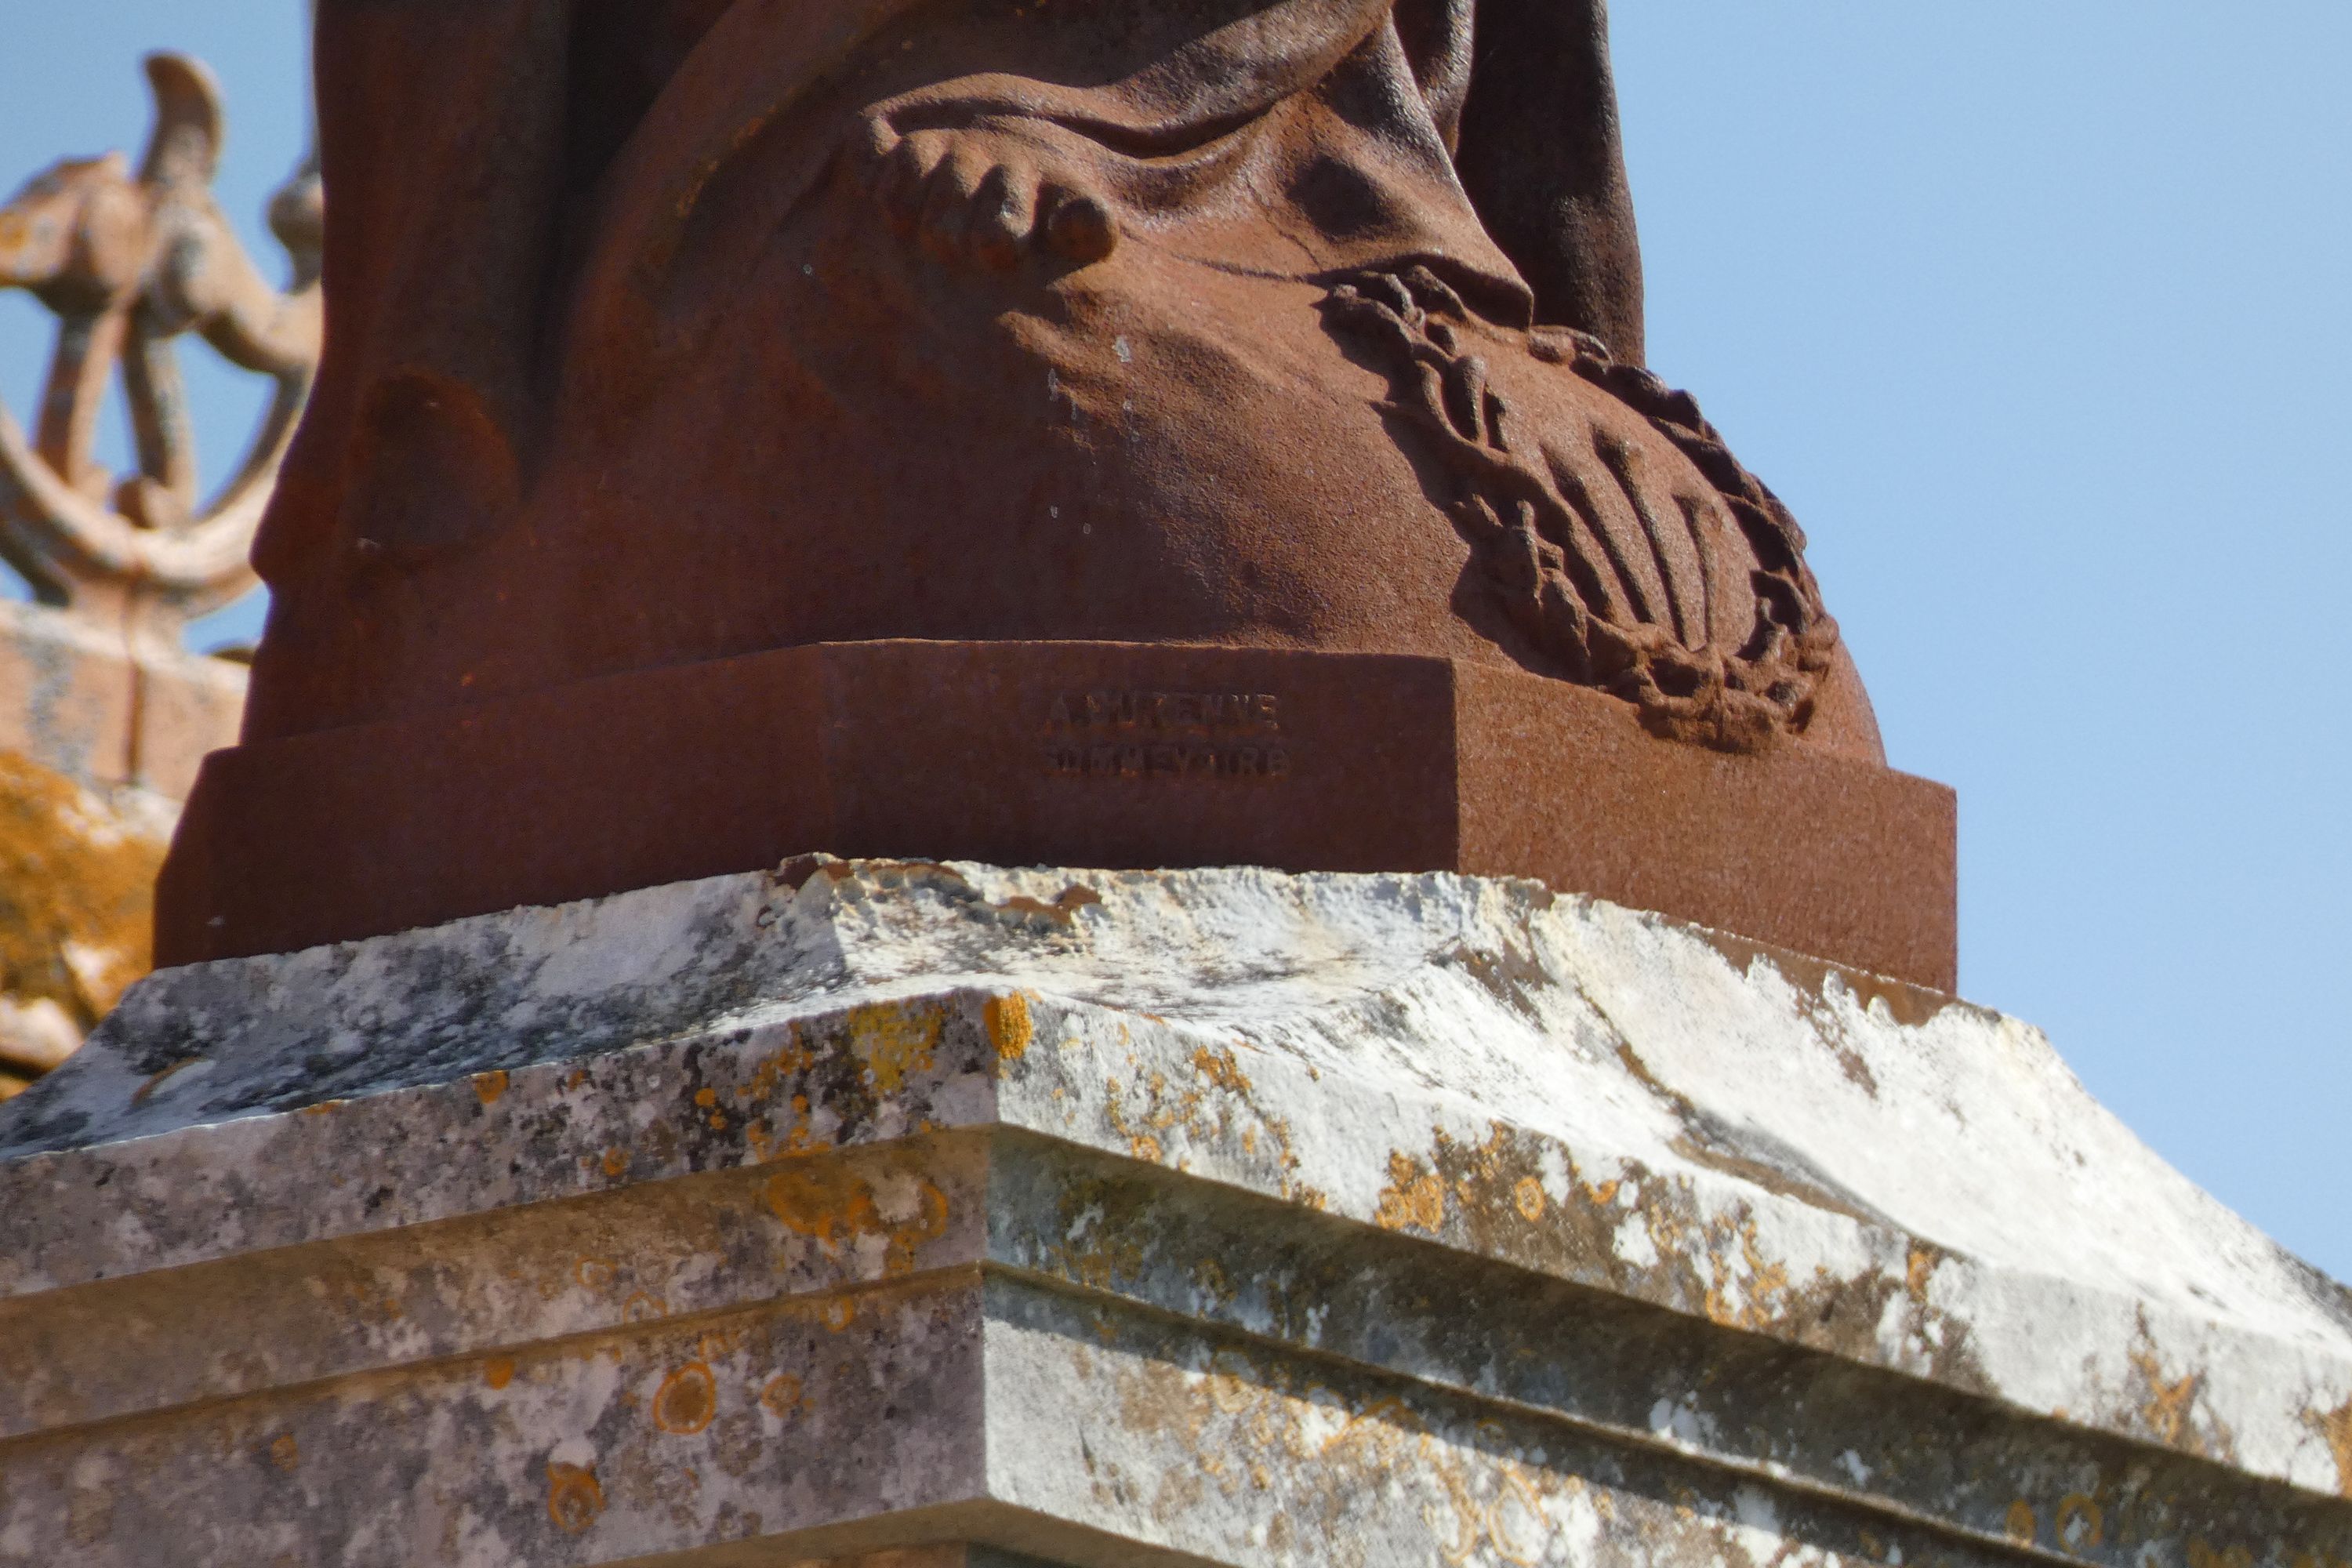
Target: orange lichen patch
{"x":796,"y":1056}
{"x":1210,"y":1106}
{"x":781,"y":1396}
{"x":2081,"y":1522}
{"x":1009,"y":1029}
{"x":1505,"y":1195}
{"x":643,"y":1308}
{"x":489,"y":1085}
{"x":1061,"y":911}
{"x":839,"y":1312}
{"x":2021,"y":1524}
{"x":499,"y":1370}
{"x":2168,"y":1404}
{"x":573,"y":1496}
{"x":823,"y":1201}
{"x":1484,"y":1500}
{"x":893,"y":1039}
{"x":616,"y":1159}
{"x":2334,"y":1429}
{"x":836,"y":1206}
{"x":1917,"y":1267}
{"x":594,"y":1273}
{"x":286,"y":1453}
{"x":1413,"y":1199}
{"x":1761,"y":1282}
{"x":75,"y":901}
{"x":767,"y":1132}
{"x":686,"y":1400}
{"x":1221,"y":1068}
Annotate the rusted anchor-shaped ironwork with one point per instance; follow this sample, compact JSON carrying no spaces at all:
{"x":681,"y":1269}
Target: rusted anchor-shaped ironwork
{"x":129,"y":262}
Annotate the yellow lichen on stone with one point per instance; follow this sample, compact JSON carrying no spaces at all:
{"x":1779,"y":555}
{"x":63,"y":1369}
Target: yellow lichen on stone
{"x":781,"y":1396}
{"x":1222,"y":1068}
{"x":823,"y":1201}
{"x":2081,"y":1522}
{"x":1745,"y":1289}
{"x":1919,"y":1266}
{"x":838,"y":1207}
{"x":2168,"y":1403}
{"x":893,"y":1040}
{"x":2334,"y":1429}
{"x":77,"y":897}
{"x":1413,"y":1199}
{"x":574,"y":1497}
{"x":686,"y":1400}
{"x":1009,"y":1026}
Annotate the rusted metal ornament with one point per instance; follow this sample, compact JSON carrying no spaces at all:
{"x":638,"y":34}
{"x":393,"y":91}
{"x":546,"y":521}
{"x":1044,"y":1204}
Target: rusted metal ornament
{"x":129,"y":262}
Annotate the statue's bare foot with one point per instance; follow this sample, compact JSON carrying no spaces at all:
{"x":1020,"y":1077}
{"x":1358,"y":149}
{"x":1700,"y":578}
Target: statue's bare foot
{"x":986,"y":198}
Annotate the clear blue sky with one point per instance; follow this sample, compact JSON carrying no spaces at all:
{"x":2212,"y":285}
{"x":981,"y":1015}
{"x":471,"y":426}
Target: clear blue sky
{"x":2038,"y":316}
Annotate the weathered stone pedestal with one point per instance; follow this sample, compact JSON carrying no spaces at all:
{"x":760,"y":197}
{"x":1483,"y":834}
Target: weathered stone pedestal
{"x":1218,"y":1216}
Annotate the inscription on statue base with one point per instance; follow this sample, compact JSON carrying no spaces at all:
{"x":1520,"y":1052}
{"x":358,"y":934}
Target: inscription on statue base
{"x":1232,"y":737}
{"x":1128,"y":756}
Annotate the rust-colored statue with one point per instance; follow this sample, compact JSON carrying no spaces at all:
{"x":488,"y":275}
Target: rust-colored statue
{"x":673,"y":331}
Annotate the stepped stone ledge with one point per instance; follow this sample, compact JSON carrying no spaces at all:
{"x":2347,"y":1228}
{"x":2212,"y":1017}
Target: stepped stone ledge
{"x":926,"y":1213}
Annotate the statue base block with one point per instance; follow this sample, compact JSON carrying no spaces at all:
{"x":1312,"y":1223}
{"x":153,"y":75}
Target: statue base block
{"x":1061,"y":753}
{"x":920,"y":1214}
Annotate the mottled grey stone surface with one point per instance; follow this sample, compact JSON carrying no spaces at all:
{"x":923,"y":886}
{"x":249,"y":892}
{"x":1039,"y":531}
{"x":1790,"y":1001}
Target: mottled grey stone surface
{"x":1214,"y":1216}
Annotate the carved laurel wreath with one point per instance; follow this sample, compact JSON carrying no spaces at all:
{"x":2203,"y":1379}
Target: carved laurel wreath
{"x":1512,"y":512}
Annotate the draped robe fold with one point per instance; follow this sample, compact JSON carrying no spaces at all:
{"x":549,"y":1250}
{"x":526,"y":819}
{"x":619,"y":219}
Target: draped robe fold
{"x":626,"y":364}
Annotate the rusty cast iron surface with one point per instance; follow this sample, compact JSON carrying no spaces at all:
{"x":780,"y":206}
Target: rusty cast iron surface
{"x":675,"y":332}
{"x":1117,"y":754}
